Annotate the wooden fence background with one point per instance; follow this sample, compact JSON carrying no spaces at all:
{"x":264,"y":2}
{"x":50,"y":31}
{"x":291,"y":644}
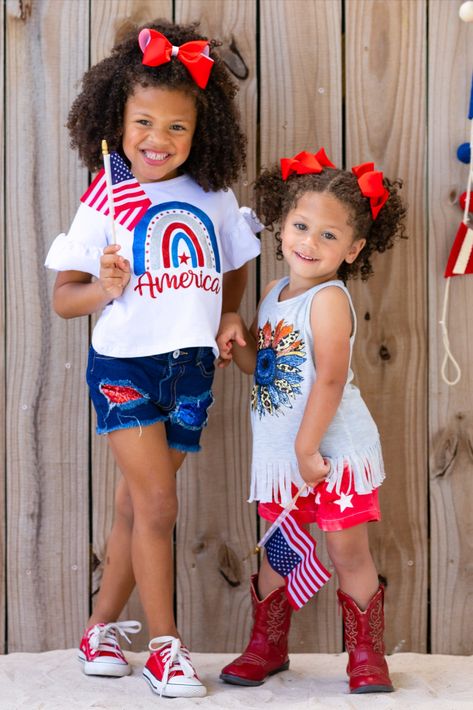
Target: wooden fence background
{"x":368,"y":79}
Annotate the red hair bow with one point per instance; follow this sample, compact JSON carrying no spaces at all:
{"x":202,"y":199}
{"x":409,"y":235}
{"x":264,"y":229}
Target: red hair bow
{"x":157,"y":50}
{"x":305,"y":163}
{"x":371,"y":185}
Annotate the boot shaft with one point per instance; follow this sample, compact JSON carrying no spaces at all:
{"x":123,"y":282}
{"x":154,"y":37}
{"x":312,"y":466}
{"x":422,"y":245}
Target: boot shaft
{"x":271,"y":616}
{"x":363,"y":627}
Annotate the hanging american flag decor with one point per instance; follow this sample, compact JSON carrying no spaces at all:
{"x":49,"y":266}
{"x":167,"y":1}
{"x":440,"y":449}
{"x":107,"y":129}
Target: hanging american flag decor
{"x":460,"y":263}
{"x":129,"y":198}
{"x":291,"y":553}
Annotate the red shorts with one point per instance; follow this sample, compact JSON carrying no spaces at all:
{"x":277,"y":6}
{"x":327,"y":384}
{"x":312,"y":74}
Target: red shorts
{"x":331,"y":511}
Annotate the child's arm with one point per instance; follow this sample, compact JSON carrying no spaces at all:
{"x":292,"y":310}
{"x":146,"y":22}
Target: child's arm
{"x":76,"y":294}
{"x":236,"y":342}
{"x":331,"y":327}
{"x":234,"y":284}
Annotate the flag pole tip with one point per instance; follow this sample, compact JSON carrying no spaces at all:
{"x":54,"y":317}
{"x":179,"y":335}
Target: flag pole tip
{"x":104,"y":147}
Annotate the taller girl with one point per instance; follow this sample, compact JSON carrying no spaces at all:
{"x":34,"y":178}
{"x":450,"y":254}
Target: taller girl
{"x":165,"y":104}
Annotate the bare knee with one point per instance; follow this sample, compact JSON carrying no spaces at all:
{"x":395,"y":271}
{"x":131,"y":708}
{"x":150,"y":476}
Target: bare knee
{"x":123,"y":504}
{"x":156,"y":513}
{"x":348,"y":553}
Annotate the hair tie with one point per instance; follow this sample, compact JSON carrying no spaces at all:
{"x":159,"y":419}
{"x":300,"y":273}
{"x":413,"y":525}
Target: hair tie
{"x":305,"y":163}
{"x":157,"y":50}
{"x":370,"y":182}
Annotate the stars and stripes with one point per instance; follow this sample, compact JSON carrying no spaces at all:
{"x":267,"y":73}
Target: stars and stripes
{"x":291,"y":553}
{"x":130,"y":200}
{"x":460,"y":261}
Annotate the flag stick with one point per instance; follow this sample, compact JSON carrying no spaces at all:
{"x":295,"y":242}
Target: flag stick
{"x":282,"y":516}
{"x":108,"y":180}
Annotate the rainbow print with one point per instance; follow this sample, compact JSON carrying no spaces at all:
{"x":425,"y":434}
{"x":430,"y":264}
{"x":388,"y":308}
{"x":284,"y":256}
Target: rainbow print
{"x":174,"y":235}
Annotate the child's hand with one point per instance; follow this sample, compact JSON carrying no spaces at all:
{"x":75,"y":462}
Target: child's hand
{"x":115,"y":272}
{"x":230,"y":331}
{"x":313,"y":468}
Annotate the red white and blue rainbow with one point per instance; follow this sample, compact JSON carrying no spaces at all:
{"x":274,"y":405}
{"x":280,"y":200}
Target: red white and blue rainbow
{"x":172,"y":235}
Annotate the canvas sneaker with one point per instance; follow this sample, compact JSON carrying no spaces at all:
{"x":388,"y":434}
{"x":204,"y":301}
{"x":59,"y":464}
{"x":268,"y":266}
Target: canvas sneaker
{"x":169,"y":670}
{"x":100,"y":650}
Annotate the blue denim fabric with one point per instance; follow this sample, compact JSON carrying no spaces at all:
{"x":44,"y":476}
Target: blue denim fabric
{"x":174,"y":388}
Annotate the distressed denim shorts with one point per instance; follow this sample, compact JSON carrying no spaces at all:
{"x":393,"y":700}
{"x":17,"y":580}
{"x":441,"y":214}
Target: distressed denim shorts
{"x":174,"y":388}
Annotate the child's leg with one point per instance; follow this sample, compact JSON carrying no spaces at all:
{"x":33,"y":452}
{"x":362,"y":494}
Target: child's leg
{"x":267,"y":650}
{"x":350,"y":553}
{"x":149,"y":469}
{"x":268,"y":579}
{"x":361,"y":598}
{"x":118,"y":579}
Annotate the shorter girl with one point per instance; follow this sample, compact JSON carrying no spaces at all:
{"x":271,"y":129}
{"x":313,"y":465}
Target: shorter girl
{"x":310,"y":423}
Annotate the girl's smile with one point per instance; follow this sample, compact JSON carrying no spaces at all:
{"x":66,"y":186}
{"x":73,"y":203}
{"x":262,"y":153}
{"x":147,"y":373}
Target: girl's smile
{"x":158,"y":128}
{"x":317,"y":238}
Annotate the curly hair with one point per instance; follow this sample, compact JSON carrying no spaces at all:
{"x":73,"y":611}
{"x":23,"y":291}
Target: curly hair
{"x":275,"y":198}
{"x":218,"y":151}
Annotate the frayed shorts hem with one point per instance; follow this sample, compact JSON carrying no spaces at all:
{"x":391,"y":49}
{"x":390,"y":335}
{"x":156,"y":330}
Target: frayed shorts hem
{"x":138,"y":424}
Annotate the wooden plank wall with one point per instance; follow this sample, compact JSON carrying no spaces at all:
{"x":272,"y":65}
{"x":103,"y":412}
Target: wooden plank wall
{"x":2,"y":361}
{"x":353,"y":76}
{"x":451,"y":412}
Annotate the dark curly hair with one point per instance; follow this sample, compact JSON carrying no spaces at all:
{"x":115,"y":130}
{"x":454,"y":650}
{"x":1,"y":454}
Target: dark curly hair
{"x":276,"y":197}
{"x":218,"y":151}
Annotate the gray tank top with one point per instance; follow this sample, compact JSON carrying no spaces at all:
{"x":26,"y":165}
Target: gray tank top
{"x":284,"y":375}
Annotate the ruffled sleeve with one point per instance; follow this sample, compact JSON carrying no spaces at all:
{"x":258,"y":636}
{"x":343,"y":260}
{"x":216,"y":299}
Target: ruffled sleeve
{"x":81,"y":248}
{"x":239,"y":243}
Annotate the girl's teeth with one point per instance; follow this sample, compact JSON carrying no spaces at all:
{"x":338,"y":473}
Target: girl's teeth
{"x":155,"y":156}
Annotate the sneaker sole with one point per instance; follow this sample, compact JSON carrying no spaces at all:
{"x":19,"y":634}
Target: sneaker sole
{"x":174,"y":690}
{"x":235,"y":680}
{"x":109,"y":670}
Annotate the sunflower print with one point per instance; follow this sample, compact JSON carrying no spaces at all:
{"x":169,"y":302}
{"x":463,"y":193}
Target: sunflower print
{"x":278,"y":368}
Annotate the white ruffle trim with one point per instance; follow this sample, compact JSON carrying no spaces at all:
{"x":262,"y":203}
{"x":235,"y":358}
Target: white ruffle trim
{"x":251,"y":219}
{"x":67,"y":254}
{"x":273,"y":481}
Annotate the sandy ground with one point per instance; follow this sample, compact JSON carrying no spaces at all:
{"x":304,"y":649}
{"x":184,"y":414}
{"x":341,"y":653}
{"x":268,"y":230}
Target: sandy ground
{"x":54,"y":681}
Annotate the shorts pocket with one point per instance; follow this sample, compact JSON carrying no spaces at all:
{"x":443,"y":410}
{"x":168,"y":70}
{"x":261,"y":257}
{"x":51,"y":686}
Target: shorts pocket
{"x":206,"y":365}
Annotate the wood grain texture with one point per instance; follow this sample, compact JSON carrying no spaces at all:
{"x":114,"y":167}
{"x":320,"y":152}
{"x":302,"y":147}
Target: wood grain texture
{"x":216,"y":527}
{"x":301,"y":109}
{"x":385,"y":110}
{"x":451,"y":410}
{"x":108,"y":20}
{"x":47,"y":420}
{"x":45,"y":427}
{"x":2,"y":357}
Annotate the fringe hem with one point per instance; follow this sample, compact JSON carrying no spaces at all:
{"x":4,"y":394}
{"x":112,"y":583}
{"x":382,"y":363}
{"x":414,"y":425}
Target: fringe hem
{"x":273,"y":481}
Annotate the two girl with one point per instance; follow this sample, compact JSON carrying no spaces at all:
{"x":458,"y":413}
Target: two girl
{"x":164,"y":102}
{"x":310,"y":424}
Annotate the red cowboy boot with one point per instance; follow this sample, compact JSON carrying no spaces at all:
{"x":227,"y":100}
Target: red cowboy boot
{"x":266,"y":652}
{"x":363,"y":632}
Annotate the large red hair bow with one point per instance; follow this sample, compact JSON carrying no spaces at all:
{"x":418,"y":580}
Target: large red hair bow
{"x":371,"y":185}
{"x":157,"y":50}
{"x":305,"y":163}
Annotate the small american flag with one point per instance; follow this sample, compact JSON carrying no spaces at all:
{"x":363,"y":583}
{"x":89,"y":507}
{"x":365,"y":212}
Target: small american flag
{"x":130,"y":200}
{"x":291,"y":553}
{"x":460,"y":261}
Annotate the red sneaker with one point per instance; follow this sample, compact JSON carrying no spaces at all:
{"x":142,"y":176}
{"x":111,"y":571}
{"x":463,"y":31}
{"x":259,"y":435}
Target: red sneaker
{"x":169,"y":670}
{"x":100,"y":650}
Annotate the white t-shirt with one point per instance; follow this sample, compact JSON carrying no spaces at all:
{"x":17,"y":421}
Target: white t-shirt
{"x":178,"y":253}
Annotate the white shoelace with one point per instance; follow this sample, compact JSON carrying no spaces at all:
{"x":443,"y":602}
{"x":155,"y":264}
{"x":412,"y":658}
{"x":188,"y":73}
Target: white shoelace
{"x":104,"y":638}
{"x":175,"y":657}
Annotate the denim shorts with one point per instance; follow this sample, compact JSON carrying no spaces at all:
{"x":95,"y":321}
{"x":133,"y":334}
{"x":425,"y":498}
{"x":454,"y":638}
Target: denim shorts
{"x":174,"y":388}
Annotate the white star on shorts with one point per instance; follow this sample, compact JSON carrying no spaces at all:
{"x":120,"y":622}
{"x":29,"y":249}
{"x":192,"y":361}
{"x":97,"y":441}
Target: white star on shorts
{"x":344,"y":501}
